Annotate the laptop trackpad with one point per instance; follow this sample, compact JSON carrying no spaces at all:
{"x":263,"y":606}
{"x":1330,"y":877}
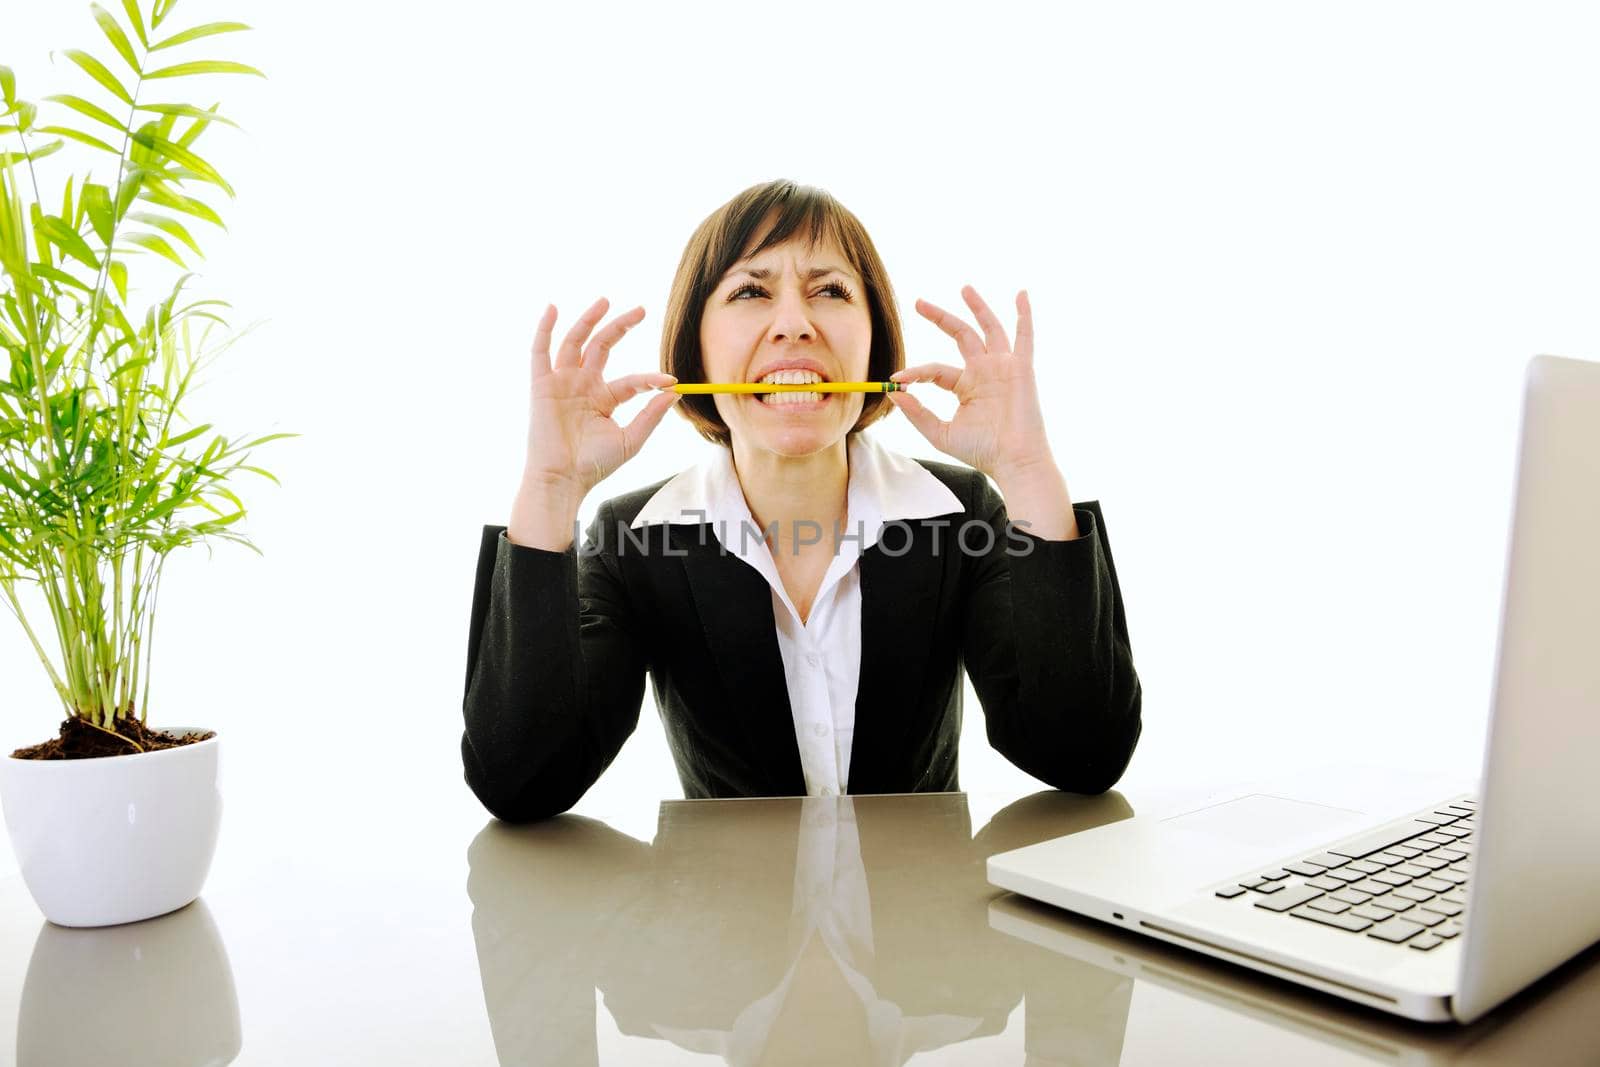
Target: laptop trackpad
{"x":1267,"y":821}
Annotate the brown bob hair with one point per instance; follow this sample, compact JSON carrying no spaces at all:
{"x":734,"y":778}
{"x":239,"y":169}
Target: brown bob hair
{"x":723,"y":239}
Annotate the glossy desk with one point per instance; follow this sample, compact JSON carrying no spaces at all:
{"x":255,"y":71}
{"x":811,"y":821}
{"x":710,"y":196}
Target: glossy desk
{"x":851,"y":930}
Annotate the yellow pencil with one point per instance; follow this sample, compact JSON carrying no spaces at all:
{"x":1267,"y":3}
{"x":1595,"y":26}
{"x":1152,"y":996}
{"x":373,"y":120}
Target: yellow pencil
{"x":805,"y":387}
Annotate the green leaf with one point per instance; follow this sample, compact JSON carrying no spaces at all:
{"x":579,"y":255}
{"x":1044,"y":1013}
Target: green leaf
{"x":129,"y":367}
{"x":38,"y":153}
{"x":8,"y":85}
{"x":60,"y":277}
{"x":136,"y":20}
{"x":203,"y":66}
{"x":188,"y":111}
{"x":190,"y":435}
{"x":268,"y":475}
{"x":97,"y":204}
{"x":68,"y":240}
{"x":197,"y":129}
{"x":93,"y":67}
{"x":127,"y":191}
{"x":119,"y":278}
{"x":210,"y":29}
{"x":172,"y":226}
{"x":94,"y":111}
{"x":114,"y":34}
{"x":183,"y":157}
{"x":156,"y":245}
{"x":159,"y":193}
{"x":26,"y":113}
{"x":160,"y":10}
{"x":268,"y":437}
{"x":82,"y":138}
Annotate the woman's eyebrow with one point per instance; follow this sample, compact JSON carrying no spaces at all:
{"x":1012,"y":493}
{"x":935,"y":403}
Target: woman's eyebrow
{"x":762,"y":273}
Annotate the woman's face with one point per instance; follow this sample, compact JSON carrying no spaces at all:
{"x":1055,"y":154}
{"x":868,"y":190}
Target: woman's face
{"x":793,"y":304}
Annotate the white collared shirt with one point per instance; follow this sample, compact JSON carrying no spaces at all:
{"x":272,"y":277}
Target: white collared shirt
{"x":821,"y":656}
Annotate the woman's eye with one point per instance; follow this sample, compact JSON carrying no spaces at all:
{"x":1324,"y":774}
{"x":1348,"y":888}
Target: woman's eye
{"x":833,"y":287}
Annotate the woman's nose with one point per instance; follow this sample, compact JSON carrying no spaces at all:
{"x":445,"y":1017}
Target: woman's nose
{"x":789,"y":320}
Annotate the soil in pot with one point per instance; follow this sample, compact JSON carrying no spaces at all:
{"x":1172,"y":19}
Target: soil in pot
{"x":81,"y":740}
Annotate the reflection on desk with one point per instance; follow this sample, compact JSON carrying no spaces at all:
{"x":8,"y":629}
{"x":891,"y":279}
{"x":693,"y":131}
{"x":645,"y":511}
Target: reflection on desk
{"x":861,"y":930}
{"x":807,"y":930}
{"x":158,"y":992}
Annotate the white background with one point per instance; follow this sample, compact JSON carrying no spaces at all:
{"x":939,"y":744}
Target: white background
{"x":1287,"y":264}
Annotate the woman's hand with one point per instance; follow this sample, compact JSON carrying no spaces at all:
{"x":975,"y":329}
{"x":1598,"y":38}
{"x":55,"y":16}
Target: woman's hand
{"x":573,"y":442}
{"x":998,"y":427}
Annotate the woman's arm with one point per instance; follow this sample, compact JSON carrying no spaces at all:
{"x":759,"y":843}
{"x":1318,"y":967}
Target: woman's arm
{"x":1045,"y":642}
{"x":555,"y":672}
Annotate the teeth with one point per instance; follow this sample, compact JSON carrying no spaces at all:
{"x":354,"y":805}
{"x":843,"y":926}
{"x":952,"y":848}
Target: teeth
{"x":791,"y":377}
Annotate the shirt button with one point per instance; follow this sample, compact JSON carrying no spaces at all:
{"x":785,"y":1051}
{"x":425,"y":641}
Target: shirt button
{"x":811,"y":658}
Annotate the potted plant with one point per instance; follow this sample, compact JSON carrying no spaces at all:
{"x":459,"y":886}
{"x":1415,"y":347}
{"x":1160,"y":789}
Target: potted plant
{"x":102,"y":472}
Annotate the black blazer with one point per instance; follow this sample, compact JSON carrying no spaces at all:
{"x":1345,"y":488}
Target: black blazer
{"x":560,"y":643}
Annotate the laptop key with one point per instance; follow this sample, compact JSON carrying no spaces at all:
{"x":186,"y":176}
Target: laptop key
{"x":1410,"y":870}
{"x":1278,"y":875}
{"x":1425,"y":917}
{"x":1350,"y":895}
{"x":1388,"y":859}
{"x":1291,"y":898}
{"x":1438,"y":819}
{"x":1334,"y":907}
{"x":1446,"y":930}
{"x":1430,"y":863}
{"x":1449,"y":855}
{"x":1345,"y":874}
{"x":1367,"y":885}
{"x":1411,"y":892}
{"x":1379,"y":840}
{"x":1405,"y":850}
{"x":1309,"y":870}
{"x":1393,"y":903}
{"x":1425,"y":942}
{"x":1267,"y":887}
{"x":1395,"y":930}
{"x":1367,"y":866}
{"x":1231,"y":891}
{"x":1389,"y":878}
{"x":1326,"y":859}
{"x":1347,"y":921}
{"x":1433,"y":885}
{"x":1367,"y":911}
{"x":1444,"y":907}
{"x":1322,"y":881}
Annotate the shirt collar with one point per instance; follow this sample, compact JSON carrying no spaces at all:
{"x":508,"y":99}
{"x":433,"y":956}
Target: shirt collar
{"x":884,"y":486}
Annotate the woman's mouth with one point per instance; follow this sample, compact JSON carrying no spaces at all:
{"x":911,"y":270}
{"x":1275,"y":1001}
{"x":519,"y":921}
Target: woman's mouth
{"x":793,"y":400}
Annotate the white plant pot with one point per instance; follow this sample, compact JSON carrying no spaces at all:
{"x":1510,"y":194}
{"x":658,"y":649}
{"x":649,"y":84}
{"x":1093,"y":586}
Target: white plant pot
{"x":114,"y":839}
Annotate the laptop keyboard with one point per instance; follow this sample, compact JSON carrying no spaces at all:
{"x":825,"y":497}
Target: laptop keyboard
{"x":1406,"y":885}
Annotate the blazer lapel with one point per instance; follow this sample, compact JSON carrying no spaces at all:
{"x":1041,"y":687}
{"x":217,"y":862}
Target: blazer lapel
{"x":734,"y":603}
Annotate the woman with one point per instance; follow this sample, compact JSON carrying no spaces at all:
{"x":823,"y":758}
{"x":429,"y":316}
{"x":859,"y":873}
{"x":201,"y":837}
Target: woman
{"x":802,"y":601}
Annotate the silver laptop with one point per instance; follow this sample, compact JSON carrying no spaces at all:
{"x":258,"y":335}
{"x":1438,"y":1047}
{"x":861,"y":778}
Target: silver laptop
{"x":1448,"y":910}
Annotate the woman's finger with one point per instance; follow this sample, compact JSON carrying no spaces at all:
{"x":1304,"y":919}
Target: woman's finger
{"x":623,"y":389}
{"x":595,"y":355}
{"x":541,"y":342}
{"x":994,"y":334}
{"x":643,"y":424}
{"x":967,"y":338}
{"x":1024,"y":349}
{"x":929,"y":425}
{"x":571,"y":351}
{"x":941,"y":374}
